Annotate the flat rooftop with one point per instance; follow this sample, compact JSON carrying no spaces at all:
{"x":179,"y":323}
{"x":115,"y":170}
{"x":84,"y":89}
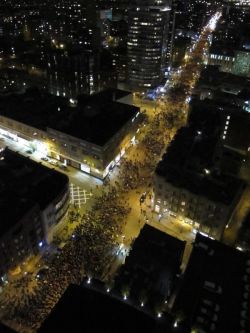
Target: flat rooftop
{"x":213,"y":113}
{"x":96,"y":118}
{"x":23,"y":185}
{"x":212,"y":294}
{"x":226,"y":50}
{"x":86,"y":309}
{"x":185,"y":163}
{"x":151,"y":266}
{"x":212,"y":77}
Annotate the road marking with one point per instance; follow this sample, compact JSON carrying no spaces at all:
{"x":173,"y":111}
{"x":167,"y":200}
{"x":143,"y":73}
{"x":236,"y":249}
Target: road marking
{"x":78,"y":195}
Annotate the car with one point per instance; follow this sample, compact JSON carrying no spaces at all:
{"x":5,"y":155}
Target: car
{"x":29,"y":151}
{"x":44,"y":159}
{"x":53,"y":162}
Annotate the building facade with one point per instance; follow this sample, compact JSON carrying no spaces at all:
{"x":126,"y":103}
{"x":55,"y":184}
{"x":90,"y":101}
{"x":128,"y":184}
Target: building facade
{"x":70,"y":73}
{"x":225,"y":61}
{"x":147,"y":44}
{"x":181,"y":204}
{"x":26,"y":229}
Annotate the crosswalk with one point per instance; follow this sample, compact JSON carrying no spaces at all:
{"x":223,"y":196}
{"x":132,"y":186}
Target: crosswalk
{"x":78,"y":195}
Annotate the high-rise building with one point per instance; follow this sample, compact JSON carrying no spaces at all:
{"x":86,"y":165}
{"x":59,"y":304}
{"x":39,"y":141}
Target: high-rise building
{"x":71,"y":73}
{"x":148,"y":22}
{"x":92,"y":23}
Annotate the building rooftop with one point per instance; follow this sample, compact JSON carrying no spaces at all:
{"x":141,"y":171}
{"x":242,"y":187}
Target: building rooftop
{"x":87,"y":309}
{"x":214,"y":292}
{"x":188,"y":164}
{"x":212,"y":77}
{"x":23,"y":185}
{"x":225,"y":50}
{"x":96,"y":118}
{"x":151,"y":267}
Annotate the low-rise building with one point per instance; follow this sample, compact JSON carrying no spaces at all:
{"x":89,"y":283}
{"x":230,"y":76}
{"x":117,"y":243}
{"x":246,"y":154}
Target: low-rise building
{"x":222,"y":57}
{"x":33,"y":199}
{"x":149,"y":273}
{"x":214,"y":292}
{"x":91,"y":136}
{"x":212,"y":83}
{"x":91,"y":307}
{"x":188,"y":187}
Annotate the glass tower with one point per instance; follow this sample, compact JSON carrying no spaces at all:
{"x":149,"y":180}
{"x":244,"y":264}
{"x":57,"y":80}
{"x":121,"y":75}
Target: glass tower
{"x":148,"y":32}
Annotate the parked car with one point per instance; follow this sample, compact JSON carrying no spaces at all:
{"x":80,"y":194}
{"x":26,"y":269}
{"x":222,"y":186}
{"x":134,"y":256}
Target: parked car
{"x":53,"y":162}
{"x":29,"y":151}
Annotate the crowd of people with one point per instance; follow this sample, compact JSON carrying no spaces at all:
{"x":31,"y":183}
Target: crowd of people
{"x":90,"y":249}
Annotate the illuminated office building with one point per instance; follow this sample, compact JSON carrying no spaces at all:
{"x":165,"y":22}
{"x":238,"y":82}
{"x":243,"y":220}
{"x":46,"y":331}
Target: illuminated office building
{"x":148,"y":23}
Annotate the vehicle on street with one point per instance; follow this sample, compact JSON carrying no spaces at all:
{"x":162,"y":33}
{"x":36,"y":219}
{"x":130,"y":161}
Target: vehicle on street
{"x":53,"y":162}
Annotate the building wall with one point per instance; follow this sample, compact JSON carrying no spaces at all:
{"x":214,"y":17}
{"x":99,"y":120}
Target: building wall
{"x":225,"y":62}
{"x":32,"y":232}
{"x":70,"y":75}
{"x":21,"y":240}
{"x":54,"y":212}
